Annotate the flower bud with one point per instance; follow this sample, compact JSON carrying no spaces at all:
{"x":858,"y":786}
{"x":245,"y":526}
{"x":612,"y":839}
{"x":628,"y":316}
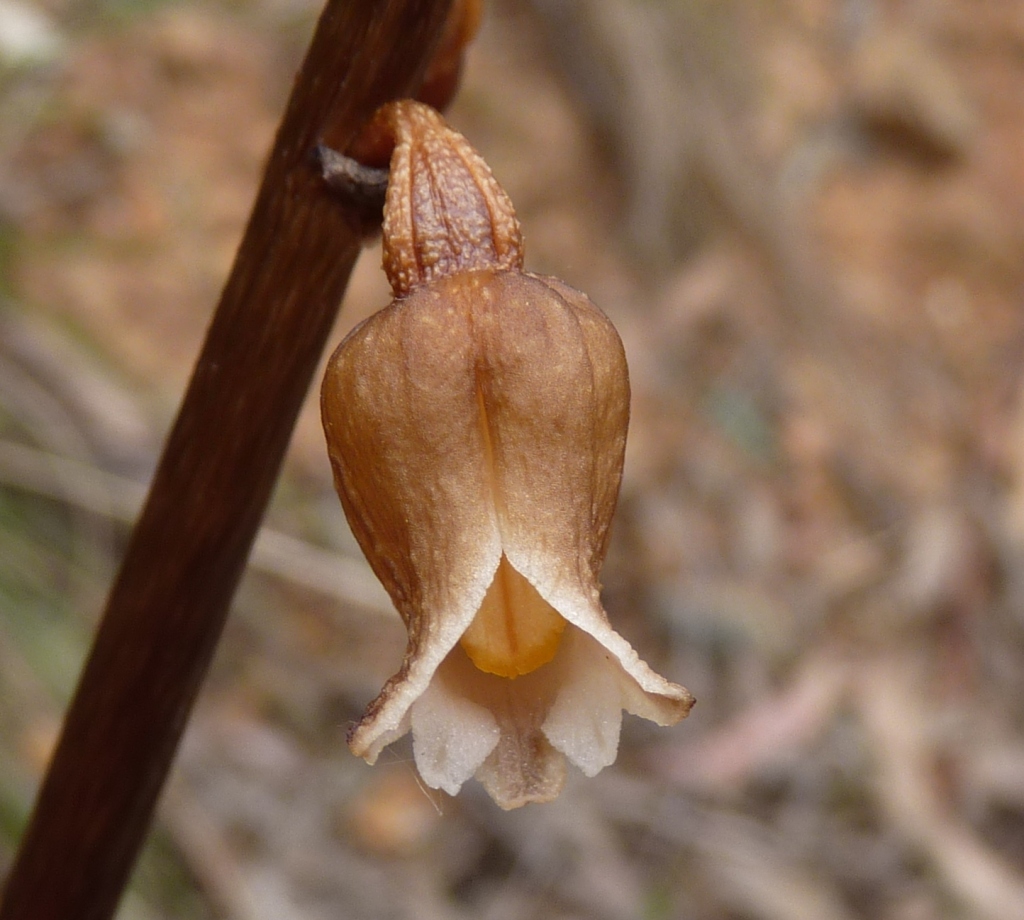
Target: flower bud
{"x":476,"y":429}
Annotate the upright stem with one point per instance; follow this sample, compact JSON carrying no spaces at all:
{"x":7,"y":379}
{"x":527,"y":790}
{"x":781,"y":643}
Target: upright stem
{"x":168,"y":605}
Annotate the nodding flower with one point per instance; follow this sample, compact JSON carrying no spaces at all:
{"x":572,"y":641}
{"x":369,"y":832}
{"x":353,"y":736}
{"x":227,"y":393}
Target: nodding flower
{"x":476,"y":429}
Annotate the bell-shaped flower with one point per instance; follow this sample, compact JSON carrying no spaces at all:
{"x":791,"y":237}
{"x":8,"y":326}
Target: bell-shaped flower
{"x":476,"y":429}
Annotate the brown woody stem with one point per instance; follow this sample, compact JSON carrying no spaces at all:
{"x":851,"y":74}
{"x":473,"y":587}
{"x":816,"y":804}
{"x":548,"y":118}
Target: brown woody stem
{"x":168,"y":605}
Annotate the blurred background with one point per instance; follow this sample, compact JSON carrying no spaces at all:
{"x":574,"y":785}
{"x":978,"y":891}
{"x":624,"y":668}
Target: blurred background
{"x":806,"y":218}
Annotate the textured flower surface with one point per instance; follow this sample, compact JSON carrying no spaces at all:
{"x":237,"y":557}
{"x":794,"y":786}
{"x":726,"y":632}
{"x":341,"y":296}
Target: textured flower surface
{"x":476,"y":428}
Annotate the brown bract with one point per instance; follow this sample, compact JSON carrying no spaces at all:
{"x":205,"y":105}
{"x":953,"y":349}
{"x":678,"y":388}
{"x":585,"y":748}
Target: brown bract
{"x":476,"y":428}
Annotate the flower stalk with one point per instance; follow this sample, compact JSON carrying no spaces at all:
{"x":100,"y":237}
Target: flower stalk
{"x":169,"y":602}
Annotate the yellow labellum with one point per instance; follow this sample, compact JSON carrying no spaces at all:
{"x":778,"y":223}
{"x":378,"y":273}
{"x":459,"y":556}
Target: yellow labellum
{"x":515,"y":630}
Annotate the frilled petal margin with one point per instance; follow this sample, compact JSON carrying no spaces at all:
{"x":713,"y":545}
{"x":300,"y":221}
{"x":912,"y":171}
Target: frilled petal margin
{"x":514,"y":735}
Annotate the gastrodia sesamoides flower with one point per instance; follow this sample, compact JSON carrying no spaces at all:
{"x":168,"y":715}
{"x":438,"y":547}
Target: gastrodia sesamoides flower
{"x":476,"y":429}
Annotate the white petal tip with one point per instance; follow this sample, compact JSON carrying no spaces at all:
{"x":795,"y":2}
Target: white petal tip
{"x":451,"y":737}
{"x":585,"y":720}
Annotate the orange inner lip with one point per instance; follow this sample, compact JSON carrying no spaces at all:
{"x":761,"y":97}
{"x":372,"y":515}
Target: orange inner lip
{"x":515,"y":631}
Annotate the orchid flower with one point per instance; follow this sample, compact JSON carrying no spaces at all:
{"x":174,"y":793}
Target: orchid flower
{"x":476,"y":429}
